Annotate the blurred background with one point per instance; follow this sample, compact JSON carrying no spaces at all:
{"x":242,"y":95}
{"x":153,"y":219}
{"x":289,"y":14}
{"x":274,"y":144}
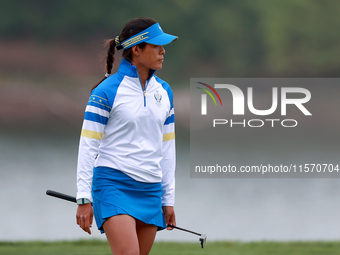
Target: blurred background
{"x":51,"y":54}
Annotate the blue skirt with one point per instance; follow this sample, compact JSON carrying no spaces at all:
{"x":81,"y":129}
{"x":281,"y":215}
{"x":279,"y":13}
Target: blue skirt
{"x":116,"y":193}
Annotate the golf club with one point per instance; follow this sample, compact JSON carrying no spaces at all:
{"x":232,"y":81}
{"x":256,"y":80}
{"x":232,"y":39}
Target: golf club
{"x":202,"y":237}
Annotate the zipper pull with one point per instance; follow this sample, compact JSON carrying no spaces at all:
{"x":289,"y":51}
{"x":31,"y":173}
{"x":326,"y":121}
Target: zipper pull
{"x":144,"y":92}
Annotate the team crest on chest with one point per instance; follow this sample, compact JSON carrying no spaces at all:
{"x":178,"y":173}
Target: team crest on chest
{"x":158,"y":98}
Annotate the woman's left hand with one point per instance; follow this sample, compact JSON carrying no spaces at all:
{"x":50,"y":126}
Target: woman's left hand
{"x":169,"y":215}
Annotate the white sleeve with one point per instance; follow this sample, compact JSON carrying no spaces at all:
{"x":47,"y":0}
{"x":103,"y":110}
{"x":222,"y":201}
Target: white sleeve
{"x":168,"y":162}
{"x":96,"y":116}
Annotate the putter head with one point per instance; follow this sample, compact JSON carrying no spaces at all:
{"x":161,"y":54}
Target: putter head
{"x":203,"y":239}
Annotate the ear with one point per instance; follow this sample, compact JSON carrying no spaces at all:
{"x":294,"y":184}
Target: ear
{"x":135,"y":50}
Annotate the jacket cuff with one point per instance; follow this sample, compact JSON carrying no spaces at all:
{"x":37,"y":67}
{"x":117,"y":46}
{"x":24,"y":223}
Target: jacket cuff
{"x":168,"y":202}
{"x":86,"y":195}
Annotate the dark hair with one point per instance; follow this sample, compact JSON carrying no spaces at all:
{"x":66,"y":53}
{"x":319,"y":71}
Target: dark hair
{"x":131,"y":28}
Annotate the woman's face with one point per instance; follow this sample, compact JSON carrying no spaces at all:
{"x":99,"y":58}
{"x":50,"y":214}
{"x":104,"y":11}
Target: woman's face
{"x":151,"y":56}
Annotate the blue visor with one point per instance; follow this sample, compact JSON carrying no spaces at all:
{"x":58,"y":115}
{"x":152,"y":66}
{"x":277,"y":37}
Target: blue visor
{"x":153,"y":35}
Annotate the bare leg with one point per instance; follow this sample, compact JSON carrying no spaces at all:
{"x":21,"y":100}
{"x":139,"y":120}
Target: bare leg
{"x":121,"y":233}
{"x":146,"y":235}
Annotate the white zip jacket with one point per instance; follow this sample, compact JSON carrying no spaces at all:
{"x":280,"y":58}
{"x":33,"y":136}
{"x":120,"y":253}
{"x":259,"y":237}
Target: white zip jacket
{"x":130,"y":130}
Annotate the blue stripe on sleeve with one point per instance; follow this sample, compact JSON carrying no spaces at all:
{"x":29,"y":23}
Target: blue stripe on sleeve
{"x":170,"y":119}
{"x":96,"y":118}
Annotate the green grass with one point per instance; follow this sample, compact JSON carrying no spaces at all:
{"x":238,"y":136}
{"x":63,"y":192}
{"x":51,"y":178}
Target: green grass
{"x":167,"y":248}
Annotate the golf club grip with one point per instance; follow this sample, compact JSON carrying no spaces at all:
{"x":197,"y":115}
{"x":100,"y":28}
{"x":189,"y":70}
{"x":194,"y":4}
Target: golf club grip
{"x":61,"y":195}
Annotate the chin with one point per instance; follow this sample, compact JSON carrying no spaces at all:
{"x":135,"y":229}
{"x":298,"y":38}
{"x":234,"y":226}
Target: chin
{"x":157,"y":67}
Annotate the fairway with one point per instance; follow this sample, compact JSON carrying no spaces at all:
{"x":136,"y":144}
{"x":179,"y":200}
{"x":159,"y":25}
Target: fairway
{"x":171,"y":248}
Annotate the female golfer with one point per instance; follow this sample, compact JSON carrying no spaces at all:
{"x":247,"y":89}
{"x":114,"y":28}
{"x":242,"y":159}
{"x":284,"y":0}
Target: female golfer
{"x":126,"y":161}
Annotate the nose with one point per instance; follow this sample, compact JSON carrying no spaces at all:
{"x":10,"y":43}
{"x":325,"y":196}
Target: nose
{"x":162,"y":50}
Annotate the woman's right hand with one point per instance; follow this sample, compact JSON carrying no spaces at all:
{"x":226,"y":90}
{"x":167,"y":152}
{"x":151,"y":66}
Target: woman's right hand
{"x":85,"y":217}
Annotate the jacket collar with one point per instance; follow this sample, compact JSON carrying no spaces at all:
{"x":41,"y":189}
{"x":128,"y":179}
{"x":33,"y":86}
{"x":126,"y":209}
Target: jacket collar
{"x":126,"y":68}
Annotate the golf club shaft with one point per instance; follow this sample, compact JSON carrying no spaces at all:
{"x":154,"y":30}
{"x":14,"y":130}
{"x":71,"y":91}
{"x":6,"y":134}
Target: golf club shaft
{"x":192,"y":232}
{"x":61,"y":195}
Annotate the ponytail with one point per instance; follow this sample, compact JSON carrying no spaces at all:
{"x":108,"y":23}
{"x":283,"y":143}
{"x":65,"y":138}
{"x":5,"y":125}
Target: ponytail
{"x":111,"y":44}
{"x":110,"y":55}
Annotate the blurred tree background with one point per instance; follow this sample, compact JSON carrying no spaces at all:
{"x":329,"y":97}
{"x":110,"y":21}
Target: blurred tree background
{"x":51,"y":55}
{"x":57,"y":45}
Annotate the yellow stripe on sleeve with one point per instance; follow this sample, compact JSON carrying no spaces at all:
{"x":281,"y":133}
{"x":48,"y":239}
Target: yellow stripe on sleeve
{"x":91,"y":134}
{"x":168,"y":137}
